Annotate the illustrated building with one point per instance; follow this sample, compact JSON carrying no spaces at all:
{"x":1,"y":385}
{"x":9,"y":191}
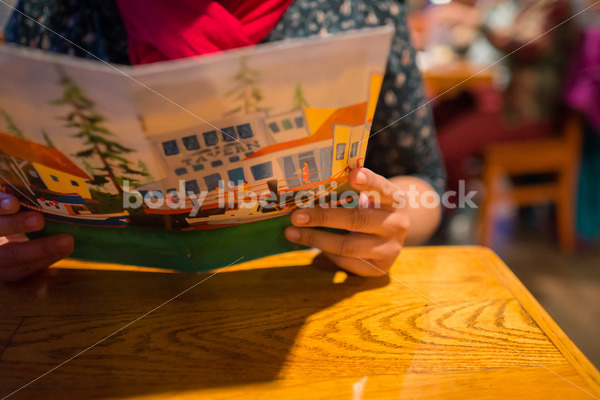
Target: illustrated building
{"x":253,"y":149}
{"x":40,"y":167}
{"x":47,"y":181}
{"x":288,"y":153}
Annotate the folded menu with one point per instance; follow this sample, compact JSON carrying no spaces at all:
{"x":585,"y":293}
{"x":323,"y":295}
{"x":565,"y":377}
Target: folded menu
{"x":187,"y":164}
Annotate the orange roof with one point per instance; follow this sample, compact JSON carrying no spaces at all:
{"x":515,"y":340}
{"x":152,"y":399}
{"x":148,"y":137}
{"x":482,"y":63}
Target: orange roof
{"x":39,"y":154}
{"x":351,"y":115}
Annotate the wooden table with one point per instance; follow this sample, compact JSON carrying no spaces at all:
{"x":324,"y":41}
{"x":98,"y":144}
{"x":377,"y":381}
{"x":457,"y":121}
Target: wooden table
{"x":279,"y":328}
{"x":446,"y":81}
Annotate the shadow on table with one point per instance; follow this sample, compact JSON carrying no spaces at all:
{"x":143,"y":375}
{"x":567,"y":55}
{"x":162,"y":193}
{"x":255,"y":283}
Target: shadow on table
{"x":234,"y":328}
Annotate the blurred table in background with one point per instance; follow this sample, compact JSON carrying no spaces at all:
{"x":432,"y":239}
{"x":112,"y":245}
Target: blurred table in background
{"x":287,"y":327}
{"x":455,"y":76}
{"x":442,"y":68}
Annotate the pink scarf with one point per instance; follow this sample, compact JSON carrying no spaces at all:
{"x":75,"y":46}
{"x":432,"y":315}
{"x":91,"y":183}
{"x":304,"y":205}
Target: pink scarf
{"x":161,"y":30}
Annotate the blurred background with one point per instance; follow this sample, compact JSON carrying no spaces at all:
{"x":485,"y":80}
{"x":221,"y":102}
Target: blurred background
{"x":515,"y":93}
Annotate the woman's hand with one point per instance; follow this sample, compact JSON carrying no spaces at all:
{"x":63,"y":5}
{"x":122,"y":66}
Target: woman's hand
{"x":19,"y":259}
{"x":377,"y":233}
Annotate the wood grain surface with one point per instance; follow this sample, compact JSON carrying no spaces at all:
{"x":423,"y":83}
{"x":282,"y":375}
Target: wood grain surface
{"x":290,"y":327}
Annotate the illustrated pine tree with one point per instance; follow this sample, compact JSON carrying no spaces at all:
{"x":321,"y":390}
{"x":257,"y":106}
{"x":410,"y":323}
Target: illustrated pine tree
{"x":246,"y":91}
{"x":97,"y":139}
{"x":13,"y":129}
{"x":101,"y":182}
{"x":124,"y":165}
{"x":299,"y":101}
{"x":47,"y":139}
{"x":144,"y":169}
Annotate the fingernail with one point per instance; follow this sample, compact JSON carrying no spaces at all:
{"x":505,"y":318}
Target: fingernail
{"x":33,"y":221}
{"x":7,"y":204}
{"x":301,"y":218}
{"x":63,"y":243}
{"x":363,"y":200}
{"x":361,"y":178}
{"x":292,"y":234}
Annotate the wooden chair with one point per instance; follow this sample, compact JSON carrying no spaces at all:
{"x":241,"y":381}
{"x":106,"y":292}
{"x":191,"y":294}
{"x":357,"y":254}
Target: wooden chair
{"x":558,"y":155}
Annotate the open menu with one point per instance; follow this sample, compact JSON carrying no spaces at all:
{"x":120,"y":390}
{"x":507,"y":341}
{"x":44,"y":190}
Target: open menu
{"x":187,"y":164}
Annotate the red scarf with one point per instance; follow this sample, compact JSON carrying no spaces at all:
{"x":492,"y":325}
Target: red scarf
{"x":161,"y":30}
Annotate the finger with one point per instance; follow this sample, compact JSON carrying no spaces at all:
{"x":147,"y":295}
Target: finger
{"x":17,"y":272}
{"x":17,"y":256}
{"x":374,"y":221}
{"x":349,"y":245}
{"x":9,"y":204}
{"x":368,"y":181}
{"x":356,"y":265}
{"x":29,"y":221}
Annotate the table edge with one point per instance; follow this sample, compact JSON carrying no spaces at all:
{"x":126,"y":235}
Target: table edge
{"x":568,"y":349}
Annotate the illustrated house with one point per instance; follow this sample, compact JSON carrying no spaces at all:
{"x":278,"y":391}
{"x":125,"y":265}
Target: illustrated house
{"x":334,"y":144}
{"x":204,"y":157}
{"x":39,"y":166}
{"x":264,"y":151}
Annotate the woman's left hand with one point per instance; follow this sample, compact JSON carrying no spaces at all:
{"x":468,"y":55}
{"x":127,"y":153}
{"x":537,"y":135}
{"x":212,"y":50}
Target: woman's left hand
{"x":377,"y":231}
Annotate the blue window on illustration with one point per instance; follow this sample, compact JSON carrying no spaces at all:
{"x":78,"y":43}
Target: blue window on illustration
{"x":217,"y":163}
{"x":180,"y":171}
{"x":299,"y":122}
{"x":262,"y":171}
{"x":236,"y":176}
{"x":192,"y":186}
{"x":340,"y":151}
{"x":229,"y":134}
{"x":326,"y":161}
{"x":212,"y":181}
{"x":291,"y":172}
{"x":191,"y":142}
{"x":170,"y":147}
{"x":234,"y":159}
{"x":245,"y":131}
{"x":306,"y":154}
{"x":354,"y":149}
{"x":54,"y":178}
{"x":155,"y":195}
{"x":274,"y":127}
{"x":210,"y":138}
{"x":249,"y":154}
{"x":74,"y":183}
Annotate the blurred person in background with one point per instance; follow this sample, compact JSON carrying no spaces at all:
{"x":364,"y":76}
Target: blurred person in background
{"x":582,"y":93}
{"x":530,"y":104}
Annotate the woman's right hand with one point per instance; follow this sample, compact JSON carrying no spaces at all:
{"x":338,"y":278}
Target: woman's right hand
{"x":20,"y":259}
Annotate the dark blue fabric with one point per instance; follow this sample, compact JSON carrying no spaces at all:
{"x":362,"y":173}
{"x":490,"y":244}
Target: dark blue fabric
{"x":93,"y":25}
{"x":588,"y":212}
